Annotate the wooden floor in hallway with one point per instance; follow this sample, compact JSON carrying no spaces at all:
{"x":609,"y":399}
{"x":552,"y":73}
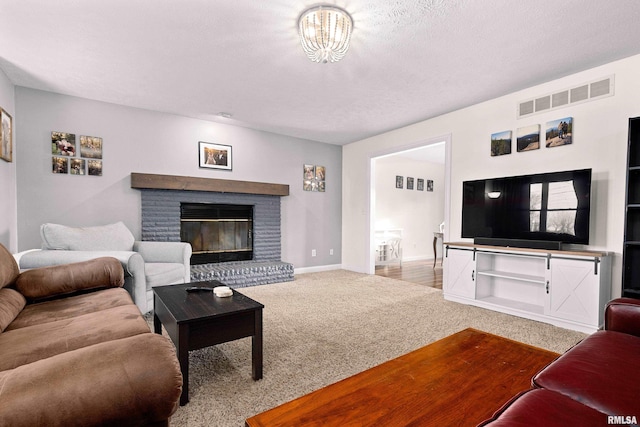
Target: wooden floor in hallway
{"x":421,"y":272}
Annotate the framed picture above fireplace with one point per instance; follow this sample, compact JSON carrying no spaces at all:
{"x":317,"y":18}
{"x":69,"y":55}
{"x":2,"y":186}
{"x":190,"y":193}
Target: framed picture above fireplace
{"x":215,"y":156}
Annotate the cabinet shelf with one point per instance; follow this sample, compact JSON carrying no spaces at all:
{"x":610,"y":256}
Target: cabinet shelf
{"x":513,"y":276}
{"x":512,"y":304}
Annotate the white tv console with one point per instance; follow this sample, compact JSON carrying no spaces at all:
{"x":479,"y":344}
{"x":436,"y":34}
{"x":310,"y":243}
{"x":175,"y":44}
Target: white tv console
{"x":568,"y":289}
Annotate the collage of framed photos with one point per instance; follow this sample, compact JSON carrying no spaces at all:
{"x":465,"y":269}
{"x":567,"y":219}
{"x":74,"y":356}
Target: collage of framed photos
{"x":313,"y":178}
{"x":410,"y":183}
{"x":83,"y":157}
{"x":556,"y":132}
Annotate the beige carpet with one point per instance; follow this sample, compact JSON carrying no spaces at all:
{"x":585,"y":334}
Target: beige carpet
{"x":327,"y":326}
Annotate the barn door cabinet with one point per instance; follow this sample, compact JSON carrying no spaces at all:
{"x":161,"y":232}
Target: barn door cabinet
{"x":564,"y":288}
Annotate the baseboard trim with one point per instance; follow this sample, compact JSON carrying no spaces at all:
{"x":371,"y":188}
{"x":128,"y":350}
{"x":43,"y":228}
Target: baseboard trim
{"x":317,"y":269}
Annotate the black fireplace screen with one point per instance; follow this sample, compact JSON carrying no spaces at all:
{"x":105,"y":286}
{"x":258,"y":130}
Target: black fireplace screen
{"x":216,"y":232}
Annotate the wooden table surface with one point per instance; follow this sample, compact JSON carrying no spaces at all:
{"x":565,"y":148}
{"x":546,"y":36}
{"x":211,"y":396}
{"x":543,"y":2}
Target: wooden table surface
{"x":460,"y":380}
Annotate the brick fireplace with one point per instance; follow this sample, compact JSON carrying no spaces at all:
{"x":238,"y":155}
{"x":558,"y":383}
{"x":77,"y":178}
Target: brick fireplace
{"x":162,"y":199}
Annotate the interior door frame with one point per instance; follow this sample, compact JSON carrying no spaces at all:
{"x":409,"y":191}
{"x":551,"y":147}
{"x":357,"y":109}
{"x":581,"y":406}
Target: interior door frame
{"x":372,"y":182}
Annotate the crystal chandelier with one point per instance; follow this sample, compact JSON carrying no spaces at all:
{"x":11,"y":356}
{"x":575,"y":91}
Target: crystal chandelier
{"x":325,"y":32}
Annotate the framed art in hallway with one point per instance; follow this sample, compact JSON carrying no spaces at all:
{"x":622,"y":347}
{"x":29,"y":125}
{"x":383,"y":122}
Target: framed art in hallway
{"x":6,"y":136}
{"x":420,"y":184}
{"x":409,"y":183}
{"x":215,"y":156}
{"x":399,"y":181}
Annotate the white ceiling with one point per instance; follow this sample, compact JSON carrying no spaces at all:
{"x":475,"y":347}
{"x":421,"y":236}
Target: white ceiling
{"x":410,"y":60}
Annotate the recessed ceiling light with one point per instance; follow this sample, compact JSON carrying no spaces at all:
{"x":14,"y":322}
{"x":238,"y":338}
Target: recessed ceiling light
{"x":225,"y":115}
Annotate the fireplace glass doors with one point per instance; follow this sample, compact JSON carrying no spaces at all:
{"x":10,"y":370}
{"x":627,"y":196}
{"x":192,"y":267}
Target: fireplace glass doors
{"x":217,"y":232}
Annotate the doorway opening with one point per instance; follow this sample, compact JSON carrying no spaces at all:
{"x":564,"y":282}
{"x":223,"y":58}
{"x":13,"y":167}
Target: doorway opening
{"x":409,"y":210}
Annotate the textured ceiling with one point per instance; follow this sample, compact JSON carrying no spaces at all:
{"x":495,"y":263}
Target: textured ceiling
{"x":410,"y":60}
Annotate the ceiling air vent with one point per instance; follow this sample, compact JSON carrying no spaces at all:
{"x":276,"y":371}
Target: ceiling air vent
{"x":590,"y":91}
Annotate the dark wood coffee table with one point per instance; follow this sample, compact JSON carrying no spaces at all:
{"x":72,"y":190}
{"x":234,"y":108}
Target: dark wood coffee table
{"x":460,"y":380}
{"x":195,"y":320}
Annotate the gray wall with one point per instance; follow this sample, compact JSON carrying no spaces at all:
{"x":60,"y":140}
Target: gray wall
{"x":136,"y":140}
{"x":8,"y":227}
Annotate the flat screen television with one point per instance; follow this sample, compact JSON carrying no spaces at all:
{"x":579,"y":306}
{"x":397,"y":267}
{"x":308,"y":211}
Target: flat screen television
{"x":537,"y":211}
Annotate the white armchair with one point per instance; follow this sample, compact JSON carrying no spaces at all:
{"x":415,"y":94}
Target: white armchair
{"x":146,"y":264}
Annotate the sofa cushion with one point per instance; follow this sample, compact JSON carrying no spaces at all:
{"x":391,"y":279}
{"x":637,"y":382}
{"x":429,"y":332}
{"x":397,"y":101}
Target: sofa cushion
{"x":597,"y":373}
{"x":163,"y":273}
{"x":133,"y":381}
{"x":62,"y":279}
{"x":8,"y":268}
{"x":544,"y":408}
{"x":73,"y":306}
{"x":11,"y":304}
{"x":112,"y":237}
{"x":26,"y":345}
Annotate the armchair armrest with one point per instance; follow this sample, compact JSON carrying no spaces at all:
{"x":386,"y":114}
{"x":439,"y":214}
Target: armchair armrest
{"x":175,"y":252}
{"x":163,"y":251}
{"x":55,"y":280}
{"x":623,"y":315}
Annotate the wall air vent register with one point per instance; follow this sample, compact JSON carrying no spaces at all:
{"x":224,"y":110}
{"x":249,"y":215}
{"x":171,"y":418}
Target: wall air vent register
{"x":590,"y":91}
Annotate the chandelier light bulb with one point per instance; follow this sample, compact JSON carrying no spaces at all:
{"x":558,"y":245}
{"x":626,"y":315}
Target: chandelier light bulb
{"x":325,"y":32}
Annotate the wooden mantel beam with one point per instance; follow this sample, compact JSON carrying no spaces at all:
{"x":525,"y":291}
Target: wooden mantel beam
{"x":189,"y":183}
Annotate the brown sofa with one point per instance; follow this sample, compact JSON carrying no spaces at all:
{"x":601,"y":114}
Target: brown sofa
{"x":595,"y":383}
{"x":76,"y":351}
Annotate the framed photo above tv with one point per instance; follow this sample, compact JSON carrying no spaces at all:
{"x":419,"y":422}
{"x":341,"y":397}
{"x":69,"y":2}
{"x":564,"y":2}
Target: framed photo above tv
{"x":559,"y":132}
{"x":528,"y":138}
{"x":501,"y":143}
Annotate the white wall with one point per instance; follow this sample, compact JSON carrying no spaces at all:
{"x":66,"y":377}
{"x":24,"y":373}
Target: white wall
{"x":136,"y":140}
{"x":8,"y":224}
{"x":600,"y":143}
{"x":417,"y":213}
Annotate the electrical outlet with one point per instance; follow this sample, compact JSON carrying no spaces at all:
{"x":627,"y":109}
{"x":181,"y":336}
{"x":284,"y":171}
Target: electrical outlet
{"x":313,"y":252}
{"x":330,"y":251}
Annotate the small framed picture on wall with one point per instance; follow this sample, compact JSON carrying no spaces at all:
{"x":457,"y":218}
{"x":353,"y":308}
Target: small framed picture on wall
{"x":215,"y":156}
{"x":6,"y":136}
